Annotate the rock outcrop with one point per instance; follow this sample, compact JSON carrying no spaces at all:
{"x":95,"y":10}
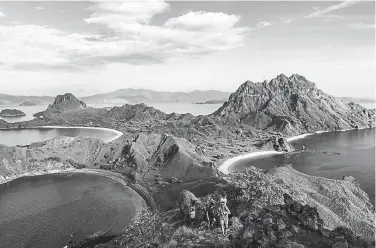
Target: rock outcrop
{"x":62,"y":103}
{"x":11,"y":113}
{"x":291,"y":105}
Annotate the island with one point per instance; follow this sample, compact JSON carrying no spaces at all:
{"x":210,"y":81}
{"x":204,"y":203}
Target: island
{"x":173,"y":160}
{"x":211,"y":102}
{"x":27,"y":103}
{"x":12,"y":113}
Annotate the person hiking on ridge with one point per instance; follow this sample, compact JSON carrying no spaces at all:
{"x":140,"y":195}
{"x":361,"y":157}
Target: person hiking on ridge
{"x":223,"y":215}
{"x":210,"y":213}
{"x":192,"y":213}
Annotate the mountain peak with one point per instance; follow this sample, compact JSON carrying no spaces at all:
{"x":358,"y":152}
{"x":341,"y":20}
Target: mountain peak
{"x":62,"y":103}
{"x":290,"y":105}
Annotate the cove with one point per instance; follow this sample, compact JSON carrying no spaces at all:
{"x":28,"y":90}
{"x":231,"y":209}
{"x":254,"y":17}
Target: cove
{"x":25,"y":136}
{"x":43,"y":211}
{"x":334,"y":155}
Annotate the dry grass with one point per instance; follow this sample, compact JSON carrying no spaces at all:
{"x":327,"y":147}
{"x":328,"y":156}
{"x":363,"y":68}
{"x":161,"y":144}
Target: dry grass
{"x":182,"y":233}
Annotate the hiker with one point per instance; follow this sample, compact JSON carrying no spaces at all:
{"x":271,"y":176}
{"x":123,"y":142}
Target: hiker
{"x":223,"y":198}
{"x":210,"y":213}
{"x":223,"y":215}
{"x":192,"y":213}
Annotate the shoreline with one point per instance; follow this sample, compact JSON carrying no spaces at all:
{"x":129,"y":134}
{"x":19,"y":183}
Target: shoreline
{"x":106,"y":173}
{"x":224,"y":167}
{"x":118,"y":133}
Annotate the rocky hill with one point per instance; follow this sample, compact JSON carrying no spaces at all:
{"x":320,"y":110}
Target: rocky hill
{"x":62,"y":103}
{"x":291,"y":105}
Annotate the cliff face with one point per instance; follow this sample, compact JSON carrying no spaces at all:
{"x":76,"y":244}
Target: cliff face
{"x":291,"y":105}
{"x":62,"y":103}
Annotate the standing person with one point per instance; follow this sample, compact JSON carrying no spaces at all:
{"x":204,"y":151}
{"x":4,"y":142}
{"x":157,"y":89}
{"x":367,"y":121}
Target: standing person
{"x":192,"y":213}
{"x":210,"y":213}
{"x":223,"y":215}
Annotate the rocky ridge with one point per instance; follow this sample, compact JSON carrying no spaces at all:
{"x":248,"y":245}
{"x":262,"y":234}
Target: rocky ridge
{"x":291,"y":105}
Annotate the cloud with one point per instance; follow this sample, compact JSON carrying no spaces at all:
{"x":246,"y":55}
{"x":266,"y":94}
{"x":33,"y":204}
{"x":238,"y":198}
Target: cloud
{"x":287,"y":21}
{"x":361,"y":25}
{"x":263,"y":24}
{"x":1,"y":14}
{"x":127,"y":36}
{"x":39,"y":8}
{"x":331,"y":8}
{"x":201,"y":20}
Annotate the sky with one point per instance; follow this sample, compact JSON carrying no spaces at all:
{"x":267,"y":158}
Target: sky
{"x":49,"y":48}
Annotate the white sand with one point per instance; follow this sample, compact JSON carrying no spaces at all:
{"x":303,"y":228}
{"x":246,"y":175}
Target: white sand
{"x":225,"y":166}
{"x":118,"y":133}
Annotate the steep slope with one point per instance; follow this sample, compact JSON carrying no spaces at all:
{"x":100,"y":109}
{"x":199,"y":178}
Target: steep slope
{"x":62,"y":103}
{"x":339,"y":202}
{"x":55,"y":154}
{"x":164,"y":156}
{"x":291,"y":105}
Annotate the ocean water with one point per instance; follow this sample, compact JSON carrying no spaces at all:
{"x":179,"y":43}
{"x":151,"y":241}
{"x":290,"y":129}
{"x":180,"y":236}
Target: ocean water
{"x":356,"y":158}
{"x":28,"y":110}
{"x":167,"y":107}
{"x":43,"y":211}
{"x":25,"y":136}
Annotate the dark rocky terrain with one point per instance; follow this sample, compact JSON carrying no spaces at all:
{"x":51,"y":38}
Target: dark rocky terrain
{"x":165,"y":154}
{"x":62,"y":103}
{"x":11,"y":113}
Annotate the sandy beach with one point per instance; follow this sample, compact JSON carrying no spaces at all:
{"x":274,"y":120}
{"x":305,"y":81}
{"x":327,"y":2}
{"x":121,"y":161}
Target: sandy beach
{"x":118,"y":133}
{"x":224,"y":168}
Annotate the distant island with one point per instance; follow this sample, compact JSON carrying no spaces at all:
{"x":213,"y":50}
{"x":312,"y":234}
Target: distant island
{"x":211,"y":102}
{"x":27,"y":103}
{"x":12,"y":113}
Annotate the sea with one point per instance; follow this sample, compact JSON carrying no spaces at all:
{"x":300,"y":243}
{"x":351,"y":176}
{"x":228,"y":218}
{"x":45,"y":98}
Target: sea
{"x":48,"y":211}
{"x":346,"y":153}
